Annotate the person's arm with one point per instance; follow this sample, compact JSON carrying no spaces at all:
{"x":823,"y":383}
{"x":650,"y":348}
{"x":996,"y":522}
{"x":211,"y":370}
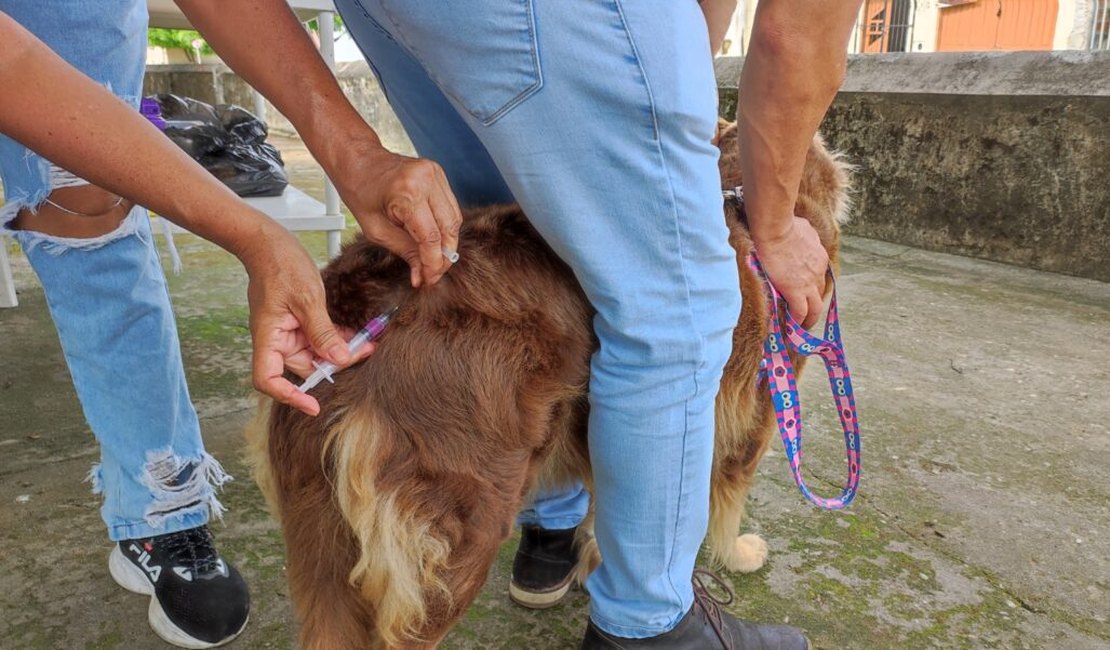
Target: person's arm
{"x":794,"y":66}
{"x":717,"y":15}
{"x":402,"y":203}
{"x":77,"y":124}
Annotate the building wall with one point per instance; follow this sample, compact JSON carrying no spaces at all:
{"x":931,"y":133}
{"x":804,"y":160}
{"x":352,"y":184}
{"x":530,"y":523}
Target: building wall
{"x":998,"y":155}
{"x":1071,"y":32}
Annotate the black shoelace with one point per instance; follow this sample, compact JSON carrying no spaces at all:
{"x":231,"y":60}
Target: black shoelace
{"x":192,"y":548}
{"x":711,"y":603}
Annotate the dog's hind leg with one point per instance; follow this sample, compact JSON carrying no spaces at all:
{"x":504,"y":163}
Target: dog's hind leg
{"x":473,"y":529}
{"x":737,"y":456}
{"x":746,"y":553}
{"x":319,"y":547}
{"x":320,"y":552}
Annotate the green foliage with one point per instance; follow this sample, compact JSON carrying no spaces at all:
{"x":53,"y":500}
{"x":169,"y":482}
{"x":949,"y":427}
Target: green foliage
{"x":313,"y":25}
{"x":176,"y":39}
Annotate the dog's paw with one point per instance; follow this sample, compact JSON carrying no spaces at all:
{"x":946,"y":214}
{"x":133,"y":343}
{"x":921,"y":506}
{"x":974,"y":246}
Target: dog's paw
{"x":748,"y":553}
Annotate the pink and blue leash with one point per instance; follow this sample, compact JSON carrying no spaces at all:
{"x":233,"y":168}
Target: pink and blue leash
{"x":778,"y":371}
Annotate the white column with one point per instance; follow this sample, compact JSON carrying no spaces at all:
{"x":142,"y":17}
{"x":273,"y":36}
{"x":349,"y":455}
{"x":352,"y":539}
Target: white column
{"x":259,"y":105}
{"x":7,"y":284}
{"x":326,"y":22}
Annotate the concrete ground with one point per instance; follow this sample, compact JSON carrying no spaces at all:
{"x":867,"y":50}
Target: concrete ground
{"x":984,"y":396}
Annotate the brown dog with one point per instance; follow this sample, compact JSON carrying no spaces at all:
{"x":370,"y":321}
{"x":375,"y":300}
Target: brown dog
{"x":396,"y":498}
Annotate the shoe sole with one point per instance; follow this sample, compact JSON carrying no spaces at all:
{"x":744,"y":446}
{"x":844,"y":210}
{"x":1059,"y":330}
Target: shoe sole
{"x":539,"y":599}
{"x":132,"y":578}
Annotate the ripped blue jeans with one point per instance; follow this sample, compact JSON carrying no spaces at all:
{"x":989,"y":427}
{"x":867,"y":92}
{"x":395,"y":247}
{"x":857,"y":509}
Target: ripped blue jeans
{"x":108,"y":298}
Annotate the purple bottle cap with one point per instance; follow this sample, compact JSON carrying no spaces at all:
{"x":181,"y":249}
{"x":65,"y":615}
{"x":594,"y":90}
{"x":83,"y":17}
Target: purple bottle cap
{"x":152,"y":111}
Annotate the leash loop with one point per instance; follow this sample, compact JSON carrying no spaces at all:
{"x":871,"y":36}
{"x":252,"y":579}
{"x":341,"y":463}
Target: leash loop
{"x":778,"y":371}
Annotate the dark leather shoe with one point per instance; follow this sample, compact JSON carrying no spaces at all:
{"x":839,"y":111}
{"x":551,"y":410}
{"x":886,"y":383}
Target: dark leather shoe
{"x":706,"y":627}
{"x":544,"y":567}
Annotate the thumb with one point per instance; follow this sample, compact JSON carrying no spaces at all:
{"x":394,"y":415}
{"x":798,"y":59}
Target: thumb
{"x":325,"y":338}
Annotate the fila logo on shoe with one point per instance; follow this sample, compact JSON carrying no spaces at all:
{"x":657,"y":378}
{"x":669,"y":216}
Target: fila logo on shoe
{"x":144,"y":563}
{"x":187,"y":574}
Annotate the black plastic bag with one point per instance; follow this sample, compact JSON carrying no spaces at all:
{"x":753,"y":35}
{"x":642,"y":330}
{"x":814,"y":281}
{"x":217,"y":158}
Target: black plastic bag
{"x":249,"y":169}
{"x":229,"y":141}
{"x":192,"y":125}
{"x":242,"y":124}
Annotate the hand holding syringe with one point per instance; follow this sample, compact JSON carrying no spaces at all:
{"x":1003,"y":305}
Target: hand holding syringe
{"x":369,"y":332}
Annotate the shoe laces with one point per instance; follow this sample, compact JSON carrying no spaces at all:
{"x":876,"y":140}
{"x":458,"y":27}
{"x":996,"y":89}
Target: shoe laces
{"x":192,"y":548}
{"x":711,"y":603}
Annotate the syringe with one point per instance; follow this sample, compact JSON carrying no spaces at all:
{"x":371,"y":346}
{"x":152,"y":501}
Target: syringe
{"x":371,"y":331}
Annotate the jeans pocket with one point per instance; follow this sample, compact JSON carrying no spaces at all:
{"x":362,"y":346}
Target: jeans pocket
{"x":481,"y":53}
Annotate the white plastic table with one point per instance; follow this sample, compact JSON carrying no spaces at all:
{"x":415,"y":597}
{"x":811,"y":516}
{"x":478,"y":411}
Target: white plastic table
{"x":294,"y":209}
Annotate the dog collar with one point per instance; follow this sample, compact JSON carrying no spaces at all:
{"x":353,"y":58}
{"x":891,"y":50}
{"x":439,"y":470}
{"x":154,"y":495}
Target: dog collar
{"x":735,"y":194}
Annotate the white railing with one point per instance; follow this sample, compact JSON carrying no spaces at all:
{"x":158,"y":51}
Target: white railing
{"x":1100,"y":25}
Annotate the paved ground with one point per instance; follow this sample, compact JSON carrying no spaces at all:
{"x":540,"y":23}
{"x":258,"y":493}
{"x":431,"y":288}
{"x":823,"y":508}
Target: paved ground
{"x":984,"y":393}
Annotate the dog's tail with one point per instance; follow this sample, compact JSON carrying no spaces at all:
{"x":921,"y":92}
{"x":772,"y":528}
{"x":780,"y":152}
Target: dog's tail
{"x":400,"y":557}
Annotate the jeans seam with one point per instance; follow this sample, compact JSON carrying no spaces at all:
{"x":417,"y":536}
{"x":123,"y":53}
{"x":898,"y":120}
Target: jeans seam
{"x":686,"y":285}
{"x":511,"y":103}
{"x":640,"y":66}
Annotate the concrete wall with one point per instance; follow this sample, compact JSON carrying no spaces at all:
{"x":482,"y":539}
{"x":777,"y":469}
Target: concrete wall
{"x":1004,"y":156}
{"x":217,"y":84}
{"x":999,"y":156}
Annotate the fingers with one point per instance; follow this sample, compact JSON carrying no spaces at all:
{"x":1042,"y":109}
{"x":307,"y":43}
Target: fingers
{"x":421,"y":218}
{"x":798,"y":305}
{"x":267,"y":374}
{"x":813,"y":310}
{"x":447,"y":213}
{"x":399,"y":243}
{"x":424,"y":230}
{"x":322,"y":334}
{"x":363,"y":352}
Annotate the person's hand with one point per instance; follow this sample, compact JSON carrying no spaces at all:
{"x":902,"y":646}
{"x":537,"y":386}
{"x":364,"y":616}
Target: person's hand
{"x":289,"y":322}
{"x":404,"y":204}
{"x":796,"y":263}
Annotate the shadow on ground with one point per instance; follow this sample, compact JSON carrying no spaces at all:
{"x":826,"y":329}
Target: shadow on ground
{"x":982,"y":522}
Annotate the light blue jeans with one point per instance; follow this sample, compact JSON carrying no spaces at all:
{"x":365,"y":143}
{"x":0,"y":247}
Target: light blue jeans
{"x":109,"y":302}
{"x":597,"y":116}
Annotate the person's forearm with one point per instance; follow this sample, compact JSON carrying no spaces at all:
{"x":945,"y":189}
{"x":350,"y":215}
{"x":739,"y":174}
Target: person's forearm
{"x":718,"y":13}
{"x":77,"y":124}
{"x":794,"y":66}
{"x":401,"y":203}
{"x":291,"y":73}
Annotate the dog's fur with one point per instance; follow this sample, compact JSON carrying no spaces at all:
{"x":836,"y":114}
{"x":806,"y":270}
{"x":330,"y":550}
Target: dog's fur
{"x":396,"y":498}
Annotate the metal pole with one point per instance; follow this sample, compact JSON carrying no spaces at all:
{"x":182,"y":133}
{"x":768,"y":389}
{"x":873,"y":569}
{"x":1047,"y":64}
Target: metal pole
{"x":326,"y":21}
{"x":1105,"y":24}
{"x":259,"y":105}
{"x":1100,"y":17}
{"x":1094,"y":25}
